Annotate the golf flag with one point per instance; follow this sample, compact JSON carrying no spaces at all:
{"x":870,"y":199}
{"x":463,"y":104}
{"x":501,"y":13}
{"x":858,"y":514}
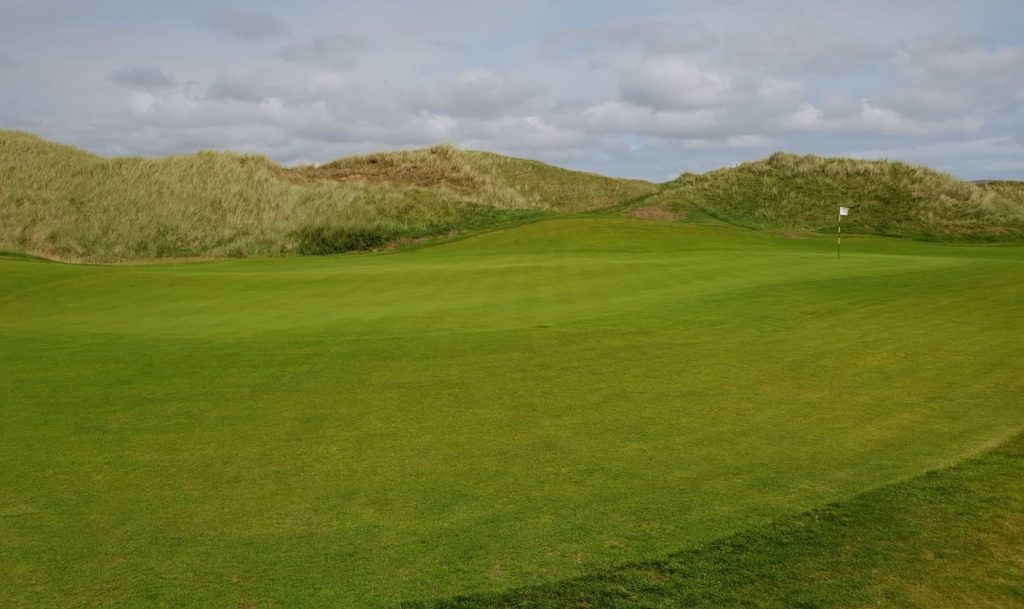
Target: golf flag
{"x":843,"y":211}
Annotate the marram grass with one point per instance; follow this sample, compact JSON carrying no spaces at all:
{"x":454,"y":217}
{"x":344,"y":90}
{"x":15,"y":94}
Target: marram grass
{"x":786,"y":191}
{"x":60,"y":202}
{"x":64,"y":203}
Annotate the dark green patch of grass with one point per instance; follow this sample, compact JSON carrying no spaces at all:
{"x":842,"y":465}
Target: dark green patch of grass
{"x":951,"y":538}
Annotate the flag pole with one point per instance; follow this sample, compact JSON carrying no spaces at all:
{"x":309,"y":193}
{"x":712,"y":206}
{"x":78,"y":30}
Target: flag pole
{"x":839,"y":229}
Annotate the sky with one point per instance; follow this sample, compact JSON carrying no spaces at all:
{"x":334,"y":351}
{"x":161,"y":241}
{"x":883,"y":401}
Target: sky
{"x":643,"y":89}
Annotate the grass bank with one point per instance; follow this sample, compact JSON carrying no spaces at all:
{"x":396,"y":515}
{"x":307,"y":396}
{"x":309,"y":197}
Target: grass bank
{"x":60,"y":202}
{"x":786,"y":191}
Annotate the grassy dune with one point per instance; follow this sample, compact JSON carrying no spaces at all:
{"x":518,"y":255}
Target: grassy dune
{"x":501,"y":180}
{"x":64,"y":203}
{"x":786,"y":191}
{"x":521,"y":407}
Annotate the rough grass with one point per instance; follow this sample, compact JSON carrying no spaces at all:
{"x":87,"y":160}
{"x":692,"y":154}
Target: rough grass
{"x":508,"y":182}
{"x":522,"y":406}
{"x":889,"y":198}
{"x":60,"y":202}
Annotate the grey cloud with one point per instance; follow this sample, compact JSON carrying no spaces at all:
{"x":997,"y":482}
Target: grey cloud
{"x":806,"y":49}
{"x":337,"y":51}
{"x":245,"y":25}
{"x":7,"y":63}
{"x":654,"y":36}
{"x":480,"y":93}
{"x":231,"y":86}
{"x":142,"y":78}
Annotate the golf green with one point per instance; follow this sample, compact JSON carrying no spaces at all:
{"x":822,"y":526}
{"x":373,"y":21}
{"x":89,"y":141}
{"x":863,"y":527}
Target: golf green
{"x":517,"y":407}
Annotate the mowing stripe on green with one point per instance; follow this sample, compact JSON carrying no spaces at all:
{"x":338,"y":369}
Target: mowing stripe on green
{"x":524,"y":406}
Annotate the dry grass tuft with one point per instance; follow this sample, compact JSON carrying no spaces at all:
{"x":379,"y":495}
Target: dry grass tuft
{"x":61,"y":202}
{"x":885,"y":197}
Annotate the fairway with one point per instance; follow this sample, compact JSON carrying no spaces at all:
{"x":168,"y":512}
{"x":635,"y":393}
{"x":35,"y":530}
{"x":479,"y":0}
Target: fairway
{"x":518,"y":407}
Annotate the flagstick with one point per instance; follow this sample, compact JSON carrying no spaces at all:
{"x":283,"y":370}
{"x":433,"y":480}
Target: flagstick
{"x":839,"y":235}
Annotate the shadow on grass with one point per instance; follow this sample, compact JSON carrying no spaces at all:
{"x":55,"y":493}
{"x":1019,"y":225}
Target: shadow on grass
{"x":948,"y":538}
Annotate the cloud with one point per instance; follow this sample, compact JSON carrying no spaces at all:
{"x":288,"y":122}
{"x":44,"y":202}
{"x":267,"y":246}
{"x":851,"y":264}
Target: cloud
{"x":625,"y":117}
{"x":479,"y":93}
{"x":237,"y":87}
{"x":337,"y":51}
{"x":655,"y":37}
{"x":519,"y":133}
{"x":806,"y":49}
{"x":8,"y":63}
{"x":675,"y":83}
{"x":644,"y":92}
{"x":142,"y":78}
{"x":870,"y":118}
{"x":964,"y":59}
{"x":249,"y":26}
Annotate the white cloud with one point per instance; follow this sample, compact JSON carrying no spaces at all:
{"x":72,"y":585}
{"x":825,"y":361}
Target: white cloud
{"x":623,"y":117}
{"x":675,"y":83}
{"x":679,"y":87}
{"x":516,"y":133}
{"x":480,"y":93}
{"x":964,"y":60}
{"x":872,"y":119}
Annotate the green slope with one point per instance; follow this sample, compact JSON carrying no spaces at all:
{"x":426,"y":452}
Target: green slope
{"x":523,"y":406}
{"x":786,"y":191}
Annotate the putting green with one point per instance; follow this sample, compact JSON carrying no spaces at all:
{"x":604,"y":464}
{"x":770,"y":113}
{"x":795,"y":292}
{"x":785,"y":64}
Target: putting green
{"x":521,"y":406}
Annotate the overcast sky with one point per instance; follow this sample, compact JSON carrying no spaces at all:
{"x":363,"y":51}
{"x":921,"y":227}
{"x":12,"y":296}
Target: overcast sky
{"x":644,"y":88}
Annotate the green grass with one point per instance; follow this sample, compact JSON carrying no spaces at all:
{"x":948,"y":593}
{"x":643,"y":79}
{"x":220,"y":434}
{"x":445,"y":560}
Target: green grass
{"x":947,"y":539}
{"x":520,"y":407}
{"x":63,"y":203}
{"x":786,"y":191}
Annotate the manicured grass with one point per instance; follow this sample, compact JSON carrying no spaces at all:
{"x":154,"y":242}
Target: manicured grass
{"x":947,"y":539}
{"x":524,"y":406}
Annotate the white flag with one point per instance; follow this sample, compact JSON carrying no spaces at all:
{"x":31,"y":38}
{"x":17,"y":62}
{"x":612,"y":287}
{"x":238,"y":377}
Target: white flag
{"x":844,"y":211}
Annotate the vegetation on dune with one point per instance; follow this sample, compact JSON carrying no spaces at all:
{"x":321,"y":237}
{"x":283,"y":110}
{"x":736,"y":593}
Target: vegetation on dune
{"x":60,"y":202}
{"x":890,"y":198}
{"x":503,"y":181}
